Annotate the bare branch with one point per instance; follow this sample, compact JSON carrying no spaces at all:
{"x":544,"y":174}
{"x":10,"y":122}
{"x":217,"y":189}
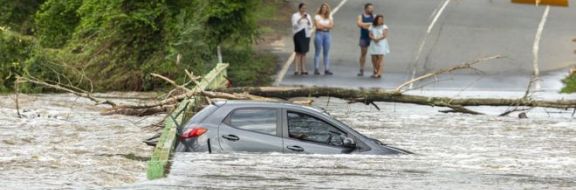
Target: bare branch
{"x":173,"y":83}
{"x":460,"y":109}
{"x":469,"y":65}
{"x":65,"y":89}
{"x":17,"y":100}
{"x":506,"y":113}
{"x":194,"y":79}
{"x":139,"y":111}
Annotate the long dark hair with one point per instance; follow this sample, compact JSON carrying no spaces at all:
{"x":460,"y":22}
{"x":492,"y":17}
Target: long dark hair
{"x":375,"y":22}
{"x":301,"y":5}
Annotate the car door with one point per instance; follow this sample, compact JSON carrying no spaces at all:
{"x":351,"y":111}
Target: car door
{"x":308,"y":133}
{"x":251,"y":130}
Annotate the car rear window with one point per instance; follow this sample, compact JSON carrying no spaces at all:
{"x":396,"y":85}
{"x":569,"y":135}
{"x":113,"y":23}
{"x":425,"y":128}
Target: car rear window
{"x":260,"y":120}
{"x":202,"y":114}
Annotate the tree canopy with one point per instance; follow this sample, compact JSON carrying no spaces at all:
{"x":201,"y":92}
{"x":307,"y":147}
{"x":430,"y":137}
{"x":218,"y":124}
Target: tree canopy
{"x":116,"y":44}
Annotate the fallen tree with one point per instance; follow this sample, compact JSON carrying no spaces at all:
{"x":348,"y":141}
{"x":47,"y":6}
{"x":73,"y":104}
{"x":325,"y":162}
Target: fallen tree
{"x":378,"y":95}
{"x":366,"y":96}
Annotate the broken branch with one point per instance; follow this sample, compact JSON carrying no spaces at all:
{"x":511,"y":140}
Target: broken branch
{"x":173,"y":83}
{"x":469,"y":65}
{"x":66,"y":89}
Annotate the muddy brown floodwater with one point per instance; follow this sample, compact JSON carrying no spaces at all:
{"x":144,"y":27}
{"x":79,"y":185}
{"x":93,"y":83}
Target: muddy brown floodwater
{"x":454,"y":151}
{"x":62,"y":142}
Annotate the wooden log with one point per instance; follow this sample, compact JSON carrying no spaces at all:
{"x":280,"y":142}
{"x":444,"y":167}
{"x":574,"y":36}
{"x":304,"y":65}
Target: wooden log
{"x":158,"y":165}
{"x":139,"y":112}
{"x":378,"y":95}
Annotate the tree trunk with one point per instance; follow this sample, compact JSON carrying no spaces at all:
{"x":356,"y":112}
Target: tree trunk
{"x":376,"y":95}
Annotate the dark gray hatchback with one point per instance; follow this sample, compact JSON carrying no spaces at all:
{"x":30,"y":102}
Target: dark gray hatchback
{"x":249,"y":126}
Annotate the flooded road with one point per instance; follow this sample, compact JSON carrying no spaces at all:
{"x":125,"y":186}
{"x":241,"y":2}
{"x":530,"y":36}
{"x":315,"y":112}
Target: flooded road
{"x":62,"y":142}
{"x":454,"y":151}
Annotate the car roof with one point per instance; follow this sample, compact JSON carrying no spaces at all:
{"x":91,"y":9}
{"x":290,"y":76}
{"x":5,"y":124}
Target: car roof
{"x":268,"y":104}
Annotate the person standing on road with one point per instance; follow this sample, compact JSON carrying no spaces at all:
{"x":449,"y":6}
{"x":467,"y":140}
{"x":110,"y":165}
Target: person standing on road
{"x":364,"y":21}
{"x":302,"y":29}
{"x":379,"y":46}
{"x":322,"y":40}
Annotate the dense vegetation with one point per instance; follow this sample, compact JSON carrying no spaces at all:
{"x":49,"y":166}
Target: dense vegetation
{"x":116,"y":44}
{"x":570,"y":82}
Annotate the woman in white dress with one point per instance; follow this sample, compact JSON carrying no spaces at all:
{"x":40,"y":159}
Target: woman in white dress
{"x":379,"y":46}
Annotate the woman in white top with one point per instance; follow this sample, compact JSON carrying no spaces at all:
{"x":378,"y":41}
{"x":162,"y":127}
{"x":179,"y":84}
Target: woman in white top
{"x":302,"y":29}
{"x":379,"y":46}
{"x":322,"y":40}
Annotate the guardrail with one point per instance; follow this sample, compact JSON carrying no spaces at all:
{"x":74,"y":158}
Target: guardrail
{"x":158,"y":163}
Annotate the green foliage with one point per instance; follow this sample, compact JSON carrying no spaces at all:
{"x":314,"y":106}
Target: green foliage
{"x":117,"y":39}
{"x":117,"y":44}
{"x":56,"y":21}
{"x":18,"y":14}
{"x":232,"y":20}
{"x":15,"y":50}
{"x":253,"y":69}
{"x":570,"y":82}
{"x":21,"y":56}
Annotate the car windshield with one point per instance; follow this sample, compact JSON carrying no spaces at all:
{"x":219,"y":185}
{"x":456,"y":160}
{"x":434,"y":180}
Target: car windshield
{"x":324,"y":112}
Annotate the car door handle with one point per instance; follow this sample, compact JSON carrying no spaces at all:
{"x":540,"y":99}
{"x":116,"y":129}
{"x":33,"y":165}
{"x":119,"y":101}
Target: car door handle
{"x":296,"y":148}
{"x":231,"y":137}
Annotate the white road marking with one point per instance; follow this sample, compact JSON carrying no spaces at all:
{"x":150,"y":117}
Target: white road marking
{"x":286,"y":65}
{"x":338,"y":7}
{"x":535,"y":84}
{"x":438,"y":13}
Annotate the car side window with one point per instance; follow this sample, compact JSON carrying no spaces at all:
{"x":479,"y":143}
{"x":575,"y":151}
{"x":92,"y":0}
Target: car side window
{"x":255,"y":119}
{"x":308,"y":128}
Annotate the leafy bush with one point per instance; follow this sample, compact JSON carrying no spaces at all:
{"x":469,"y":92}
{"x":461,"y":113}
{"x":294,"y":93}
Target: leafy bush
{"x":21,"y":56}
{"x":56,"y":21}
{"x":19,"y":14}
{"x":252,"y":69}
{"x":116,"y":44}
{"x":15,"y":51}
{"x":570,"y":82}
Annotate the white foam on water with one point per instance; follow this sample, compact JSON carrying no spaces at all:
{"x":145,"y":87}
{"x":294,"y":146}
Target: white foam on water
{"x":63,"y":142}
{"x":454,"y":151}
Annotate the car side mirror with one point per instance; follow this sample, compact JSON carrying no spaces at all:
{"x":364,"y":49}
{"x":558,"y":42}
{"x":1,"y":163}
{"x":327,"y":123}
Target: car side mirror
{"x":349,"y":142}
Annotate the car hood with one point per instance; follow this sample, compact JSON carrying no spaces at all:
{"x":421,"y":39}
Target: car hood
{"x":389,"y":148}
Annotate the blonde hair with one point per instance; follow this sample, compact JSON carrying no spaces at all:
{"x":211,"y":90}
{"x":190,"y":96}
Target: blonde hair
{"x":327,"y":14}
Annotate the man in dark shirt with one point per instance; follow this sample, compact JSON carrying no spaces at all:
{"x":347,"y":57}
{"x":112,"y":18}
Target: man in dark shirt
{"x":363,"y":22}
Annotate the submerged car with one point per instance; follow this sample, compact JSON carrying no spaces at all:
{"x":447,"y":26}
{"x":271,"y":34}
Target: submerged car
{"x":249,"y":126}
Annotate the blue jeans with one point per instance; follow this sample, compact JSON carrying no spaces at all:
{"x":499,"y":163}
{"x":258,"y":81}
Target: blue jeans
{"x":322,"y":42}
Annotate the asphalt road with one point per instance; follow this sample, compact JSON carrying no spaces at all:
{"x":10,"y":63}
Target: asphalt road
{"x":464,"y":31}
